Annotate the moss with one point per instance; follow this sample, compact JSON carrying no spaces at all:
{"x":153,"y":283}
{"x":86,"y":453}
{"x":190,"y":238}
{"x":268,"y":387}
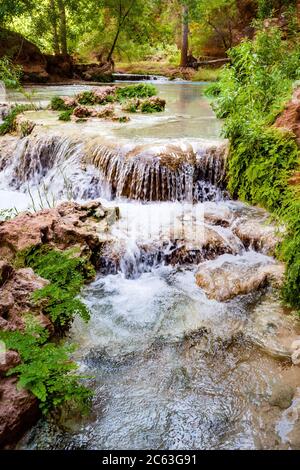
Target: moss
{"x":86,"y":98}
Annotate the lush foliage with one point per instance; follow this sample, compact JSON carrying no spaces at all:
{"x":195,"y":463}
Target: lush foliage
{"x":66,"y":115}
{"x":249,"y":96}
{"x":10,"y":74}
{"x":142,"y":90}
{"x":67,"y":273}
{"x":58,"y":104}
{"x":46,"y":369}
{"x":9,"y":121}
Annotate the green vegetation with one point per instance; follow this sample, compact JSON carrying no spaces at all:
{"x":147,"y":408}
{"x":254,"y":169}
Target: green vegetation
{"x":249,"y":96}
{"x":10,"y":74}
{"x":206,"y":75}
{"x":152,"y":105}
{"x":58,"y":104}
{"x":67,"y":274}
{"x":46,"y":369}
{"x":86,"y":98}
{"x":9,"y":123}
{"x":66,"y":115}
{"x":142,"y":90}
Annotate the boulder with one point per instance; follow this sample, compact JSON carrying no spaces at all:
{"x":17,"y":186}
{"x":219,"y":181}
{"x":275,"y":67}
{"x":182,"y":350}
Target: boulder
{"x":16,"y":299}
{"x":18,"y":411}
{"x":224,"y":281}
{"x":67,"y":225}
{"x":257,"y":235}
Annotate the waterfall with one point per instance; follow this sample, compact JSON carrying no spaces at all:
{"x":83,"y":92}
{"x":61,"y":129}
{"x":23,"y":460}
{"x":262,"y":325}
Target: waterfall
{"x":182,"y":171}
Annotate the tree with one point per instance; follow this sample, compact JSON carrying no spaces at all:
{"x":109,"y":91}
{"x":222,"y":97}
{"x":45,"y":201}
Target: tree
{"x":185,"y":36}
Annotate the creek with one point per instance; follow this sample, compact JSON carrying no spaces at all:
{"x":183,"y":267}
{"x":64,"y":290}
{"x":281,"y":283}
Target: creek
{"x":172,"y":366}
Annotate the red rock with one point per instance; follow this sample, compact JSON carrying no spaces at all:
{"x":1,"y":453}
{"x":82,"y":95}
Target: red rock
{"x":11,"y":359}
{"x":18,"y":411}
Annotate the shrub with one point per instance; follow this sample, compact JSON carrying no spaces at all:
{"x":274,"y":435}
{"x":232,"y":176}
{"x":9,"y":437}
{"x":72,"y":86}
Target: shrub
{"x":86,"y":98}
{"x":152,"y":105}
{"x":66,"y":115}
{"x":9,"y":122}
{"x":142,"y":90}
{"x":46,"y":369}
{"x":58,"y":104}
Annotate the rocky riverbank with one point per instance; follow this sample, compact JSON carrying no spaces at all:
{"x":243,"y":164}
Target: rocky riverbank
{"x":70,"y":225}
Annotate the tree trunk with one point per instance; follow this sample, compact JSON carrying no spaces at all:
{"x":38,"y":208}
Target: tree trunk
{"x":185,"y":37}
{"x":110,"y":54}
{"x":53,"y":19}
{"x":63,"y":27}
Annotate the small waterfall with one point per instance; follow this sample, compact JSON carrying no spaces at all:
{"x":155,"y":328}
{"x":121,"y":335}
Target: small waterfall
{"x":145,"y":172}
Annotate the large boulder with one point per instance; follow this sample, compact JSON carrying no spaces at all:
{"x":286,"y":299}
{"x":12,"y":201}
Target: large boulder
{"x":67,"y":225}
{"x":18,"y":411}
{"x":224,"y":281}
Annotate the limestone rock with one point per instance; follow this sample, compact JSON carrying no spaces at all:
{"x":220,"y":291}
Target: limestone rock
{"x":228,"y":280}
{"x":257,"y":235}
{"x":282,"y":396}
{"x":67,"y":225}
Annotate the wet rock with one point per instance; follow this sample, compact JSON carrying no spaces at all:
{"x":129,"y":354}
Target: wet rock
{"x":258,"y":235}
{"x":24,"y":126}
{"x":101,"y":93}
{"x":282,"y":396}
{"x":10,"y":359}
{"x":67,"y":225}
{"x":230,"y":279}
{"x":18,"y":411}
{"x":272,"y":327}
{"x":82,"y":111}
{"x":69,"y":101}
{"x":106,"y":112}
{"x":16,"y":298}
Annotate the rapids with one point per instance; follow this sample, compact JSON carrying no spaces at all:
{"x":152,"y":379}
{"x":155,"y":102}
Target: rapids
{"x":170,"y":368}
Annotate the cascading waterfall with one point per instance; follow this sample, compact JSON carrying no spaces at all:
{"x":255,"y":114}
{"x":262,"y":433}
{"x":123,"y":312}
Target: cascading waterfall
{"x":172,"y":367}
{"x":179,"y":172}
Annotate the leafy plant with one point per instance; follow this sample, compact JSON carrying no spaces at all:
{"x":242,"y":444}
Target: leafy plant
{"x":66,"y":115}
{"x":58,"y":104}
{"x":249,"y":96}
{"x":10,"y":74}
{"x":67,"y":273}
{"x":152,"y":105}
{"x":9,"y":121}
{"x":142,"y":90}
{"x":86,"y":98}
{"x":46,"y":369}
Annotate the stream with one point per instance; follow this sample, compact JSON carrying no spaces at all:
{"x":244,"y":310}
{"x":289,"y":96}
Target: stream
{"x":171,"y":366}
